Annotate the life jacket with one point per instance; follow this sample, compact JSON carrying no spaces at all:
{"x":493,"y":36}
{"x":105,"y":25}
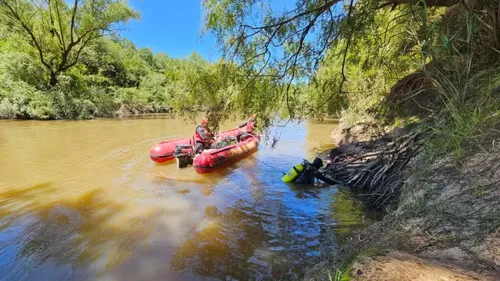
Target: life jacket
{"x":197,"y":137}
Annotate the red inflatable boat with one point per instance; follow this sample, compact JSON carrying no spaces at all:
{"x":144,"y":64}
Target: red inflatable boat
{"x":164,"y":151}
{"x":211,"y":159}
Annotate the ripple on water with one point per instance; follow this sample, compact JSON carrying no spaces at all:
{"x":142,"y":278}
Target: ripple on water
{"x":82,"y":201}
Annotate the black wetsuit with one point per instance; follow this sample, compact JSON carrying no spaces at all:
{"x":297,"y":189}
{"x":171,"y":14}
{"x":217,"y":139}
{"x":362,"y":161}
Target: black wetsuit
{"x":310,"y":173}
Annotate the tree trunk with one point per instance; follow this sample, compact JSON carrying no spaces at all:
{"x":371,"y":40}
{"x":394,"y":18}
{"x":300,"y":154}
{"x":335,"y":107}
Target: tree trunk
{"x":53,"y":79}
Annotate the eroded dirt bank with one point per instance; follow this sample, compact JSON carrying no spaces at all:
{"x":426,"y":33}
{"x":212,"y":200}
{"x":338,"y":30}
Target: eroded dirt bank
{"x":401,"y":266}
{"x":443,"y":222}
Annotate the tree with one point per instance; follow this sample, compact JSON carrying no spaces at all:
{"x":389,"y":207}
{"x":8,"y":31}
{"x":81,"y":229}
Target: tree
{"x":293,"y":42}
{"x":59,"y":31}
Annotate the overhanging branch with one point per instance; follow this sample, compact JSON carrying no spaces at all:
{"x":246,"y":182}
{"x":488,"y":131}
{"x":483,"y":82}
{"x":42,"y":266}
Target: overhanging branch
{"x":344,"y":59}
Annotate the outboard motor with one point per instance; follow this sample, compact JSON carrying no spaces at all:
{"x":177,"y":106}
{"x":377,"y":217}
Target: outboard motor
{"x":183,"y":155}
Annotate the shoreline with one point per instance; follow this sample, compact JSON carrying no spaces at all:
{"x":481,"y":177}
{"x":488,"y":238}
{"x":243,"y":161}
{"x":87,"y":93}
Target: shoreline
{"x":444,"y":222}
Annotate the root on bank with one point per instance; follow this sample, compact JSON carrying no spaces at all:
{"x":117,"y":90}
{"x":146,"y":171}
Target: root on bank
{"x":374,"y":167}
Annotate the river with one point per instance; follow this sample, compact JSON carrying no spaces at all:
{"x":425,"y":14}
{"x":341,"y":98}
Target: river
{"x":81,"y":200}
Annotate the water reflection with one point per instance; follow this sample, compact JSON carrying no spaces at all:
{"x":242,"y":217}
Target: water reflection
{"x":77,"y":233}
{"x":104,"y":211}
{"x":267,"y":238}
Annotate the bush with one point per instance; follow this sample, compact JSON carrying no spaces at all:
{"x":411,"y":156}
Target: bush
{"x":104,"y":100}
{"x":20,"y":100}
{"x":16,"y":66}
{"x":131,"y":100}
{"x":8,"y":110}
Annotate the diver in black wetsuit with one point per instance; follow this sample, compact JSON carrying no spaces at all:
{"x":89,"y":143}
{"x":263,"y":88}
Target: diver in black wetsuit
{"x":311,"y":172}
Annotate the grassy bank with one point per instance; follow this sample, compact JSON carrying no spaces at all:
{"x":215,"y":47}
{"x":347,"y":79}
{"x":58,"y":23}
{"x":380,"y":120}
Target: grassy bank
{"x":446,"y":217}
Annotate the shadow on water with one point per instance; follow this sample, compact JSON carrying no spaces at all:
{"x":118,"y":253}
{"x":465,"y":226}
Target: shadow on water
{"x":63,"y":238}
{"x":265,"y":238}
{"x":249,"y":240}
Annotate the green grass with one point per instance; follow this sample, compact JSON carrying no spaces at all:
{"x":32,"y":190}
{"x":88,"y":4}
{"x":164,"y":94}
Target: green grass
{"x":471,"y":106}
{"x":339,"y":276}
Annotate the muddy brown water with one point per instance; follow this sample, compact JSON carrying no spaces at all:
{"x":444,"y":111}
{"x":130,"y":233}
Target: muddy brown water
{"x":81,"y":200}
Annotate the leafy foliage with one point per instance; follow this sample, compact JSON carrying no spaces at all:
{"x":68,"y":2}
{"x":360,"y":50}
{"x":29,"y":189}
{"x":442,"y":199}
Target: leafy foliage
{"x":277,"y":45}
{"x":220,"y":89}
{"x":328,"y":56}
{"x":315,"y":58}
{"x":378,"y":57}
{"x":59,"y":32}
{"x":62,"y":59}
{"x":343,"y":58}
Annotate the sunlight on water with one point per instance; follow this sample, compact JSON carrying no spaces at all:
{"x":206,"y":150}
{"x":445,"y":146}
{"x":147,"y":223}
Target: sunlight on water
{"x":83,"y":201}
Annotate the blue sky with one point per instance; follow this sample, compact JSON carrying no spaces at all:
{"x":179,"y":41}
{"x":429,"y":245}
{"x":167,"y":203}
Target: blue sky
{"x":174,"y":27}
{"x":171,"y":26}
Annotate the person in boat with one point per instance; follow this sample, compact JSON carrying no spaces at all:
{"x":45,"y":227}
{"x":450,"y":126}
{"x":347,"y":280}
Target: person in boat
{"x":248,"y":127}
{"x":202,"y":136}
{"x":250,"y":124}
{"x":307,"y":173}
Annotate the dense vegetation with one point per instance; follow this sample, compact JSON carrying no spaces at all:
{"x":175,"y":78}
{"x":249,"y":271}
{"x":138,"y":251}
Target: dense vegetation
{"x":365,"y":61}
{"x":66,"y":60}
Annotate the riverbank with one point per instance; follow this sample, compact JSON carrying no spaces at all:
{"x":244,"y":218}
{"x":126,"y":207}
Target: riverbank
{"x":33,"y":104}
{"x":445,"y":222}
